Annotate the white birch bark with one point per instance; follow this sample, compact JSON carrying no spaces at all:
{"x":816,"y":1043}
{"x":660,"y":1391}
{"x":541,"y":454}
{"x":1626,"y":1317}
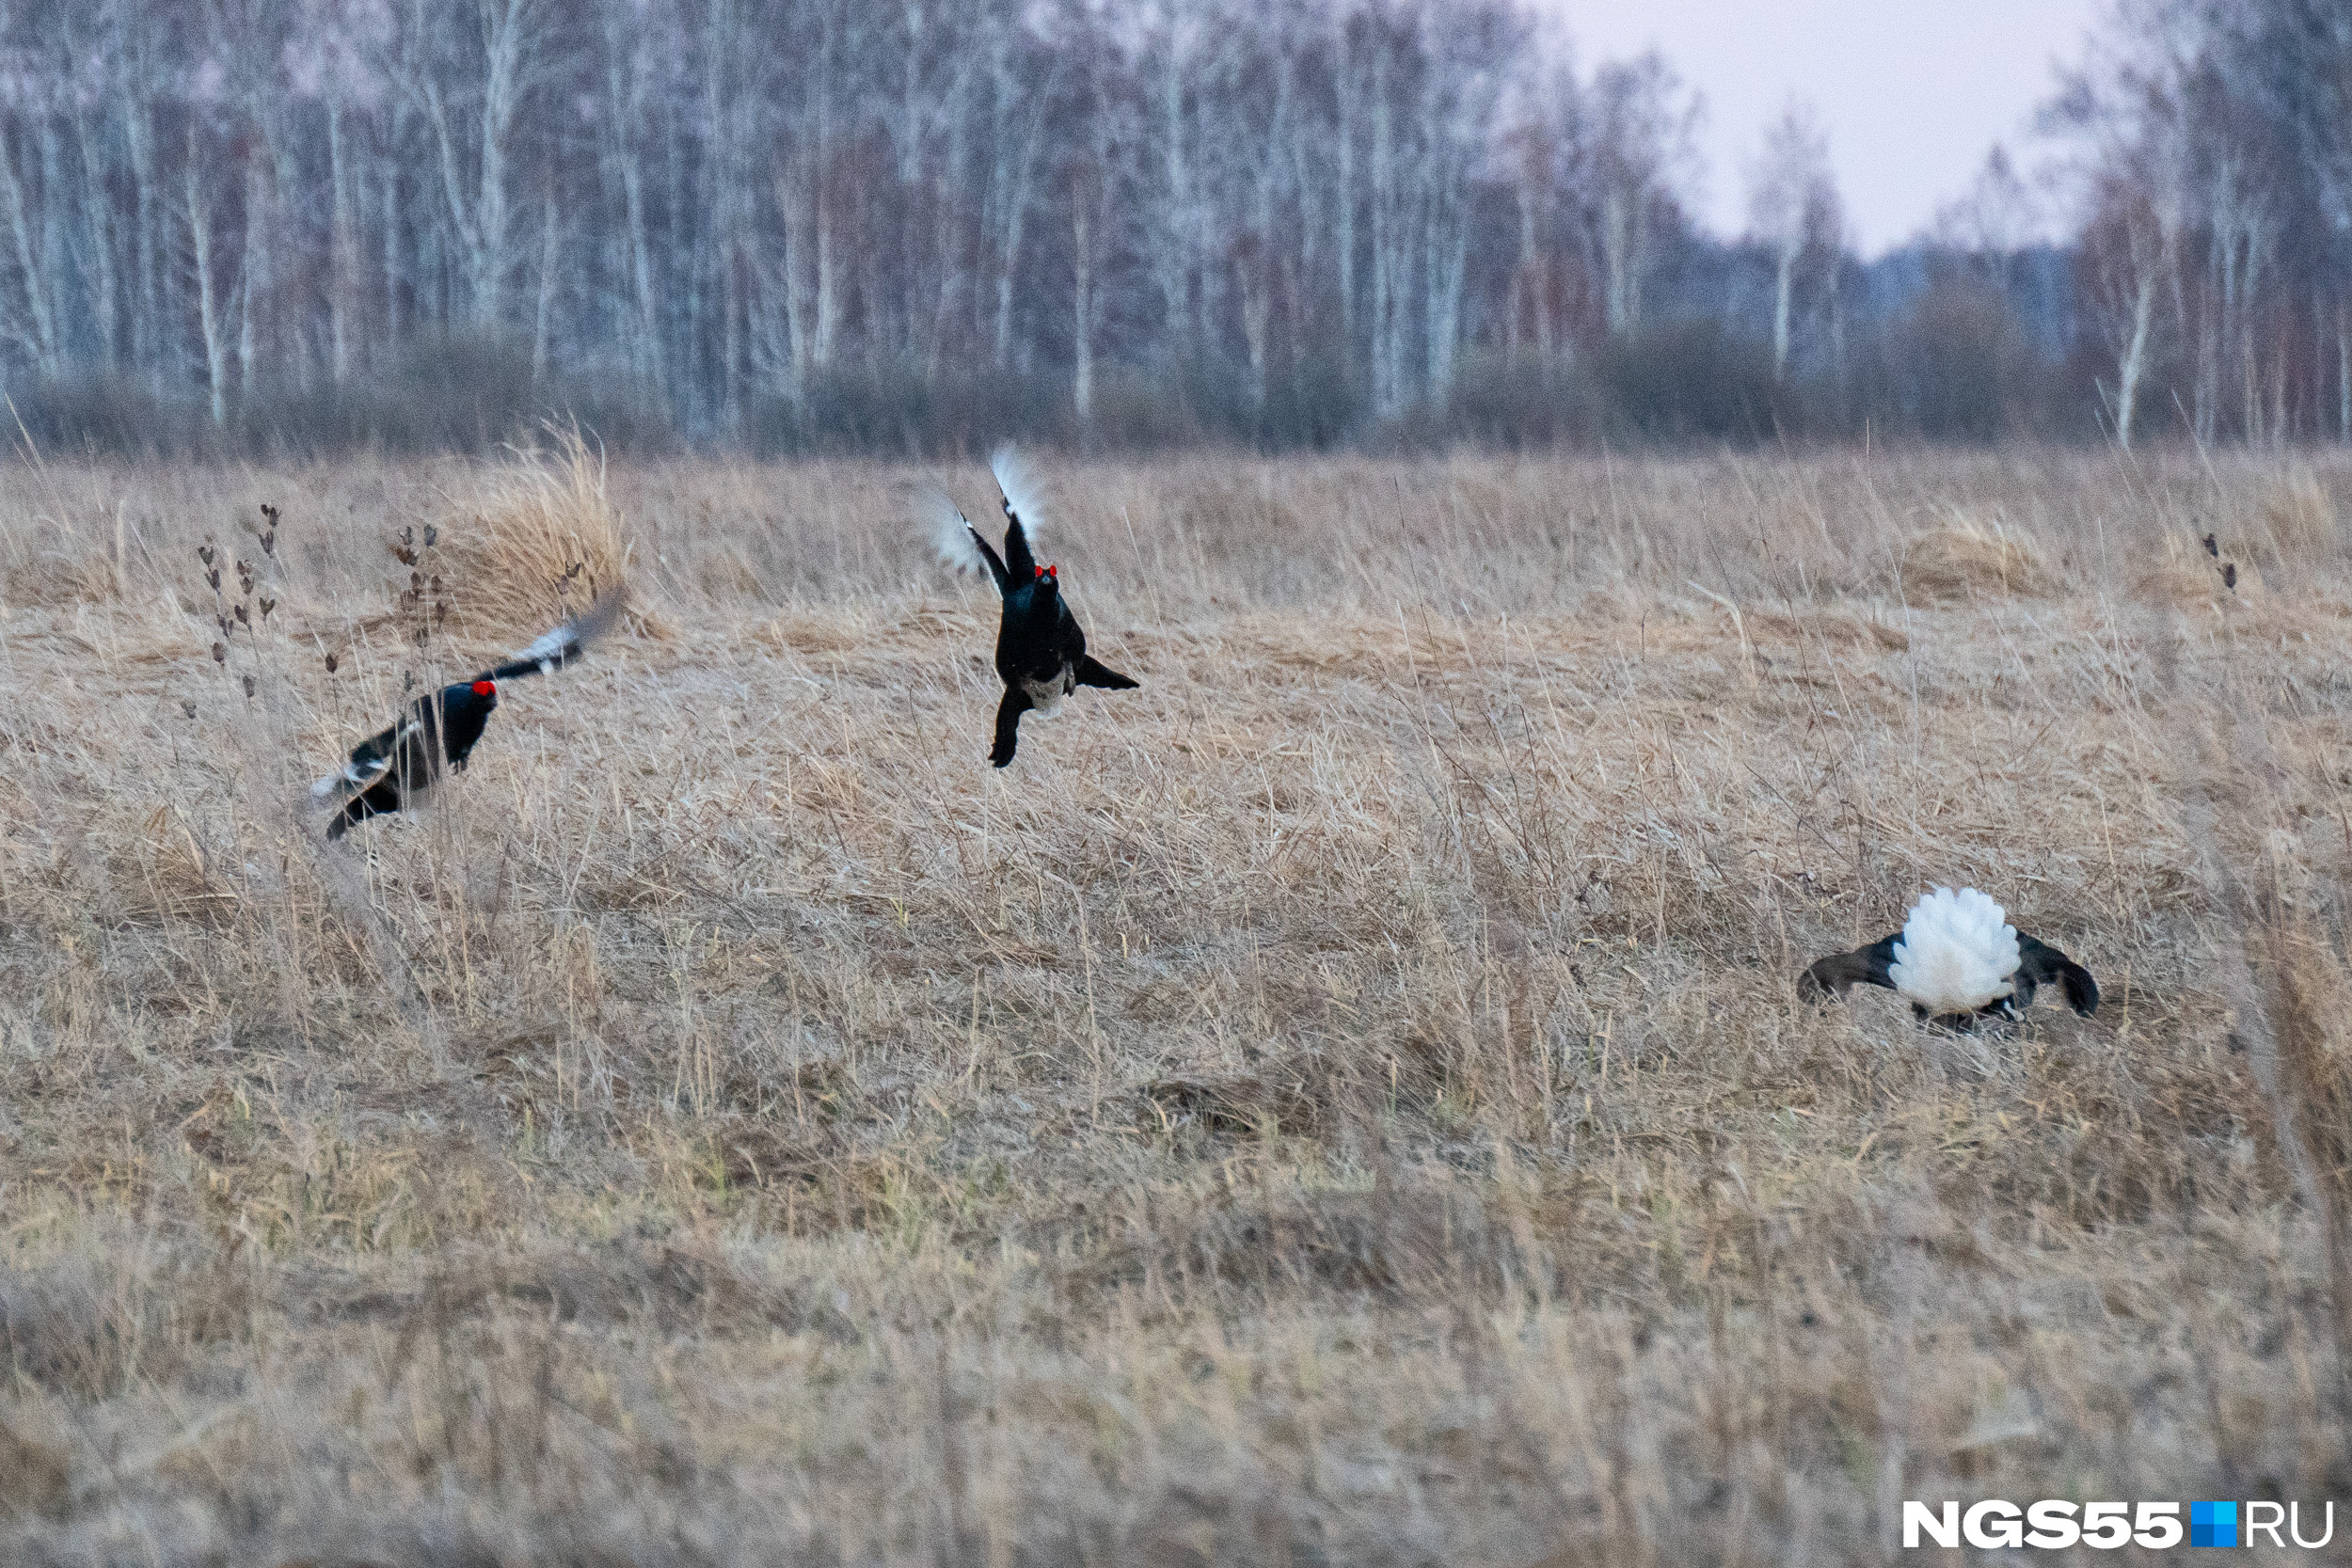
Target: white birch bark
{"x":34,"y":278}
{"x":210,"y":327}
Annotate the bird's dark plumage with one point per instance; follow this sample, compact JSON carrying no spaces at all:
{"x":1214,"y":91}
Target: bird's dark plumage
{"x":1040,"y":652}
{"x":438,"y":731}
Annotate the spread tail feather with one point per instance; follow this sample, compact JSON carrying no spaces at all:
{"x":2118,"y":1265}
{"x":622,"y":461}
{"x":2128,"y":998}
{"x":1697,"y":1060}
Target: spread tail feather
{"x":1025,"y":497}
{"x":1093,"y":672}
{"x":563,"y":644}
{"x":1957,"y":954}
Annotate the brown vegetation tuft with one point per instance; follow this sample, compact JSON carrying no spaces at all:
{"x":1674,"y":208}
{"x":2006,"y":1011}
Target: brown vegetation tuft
{"x":1345,"y":1101}
{"x":1964,"y":559}
{"x":2299,"y":516}
{"x":2180,"y":572}
{"x":537,"y":539}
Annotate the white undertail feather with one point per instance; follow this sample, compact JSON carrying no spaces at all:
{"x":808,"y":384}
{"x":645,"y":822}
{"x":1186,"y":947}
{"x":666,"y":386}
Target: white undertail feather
{"x":1044,"y":697}
{"x":351,"y":777}
{"x":950,"y":535}
{"x":570,"y":640}
{"x":1023,"y":488}
{"x":1957,"y":953}
{"x":558,"y":641}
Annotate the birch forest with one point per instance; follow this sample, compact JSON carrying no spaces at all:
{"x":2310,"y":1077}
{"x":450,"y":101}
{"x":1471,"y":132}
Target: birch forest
{"x":904,"y":224}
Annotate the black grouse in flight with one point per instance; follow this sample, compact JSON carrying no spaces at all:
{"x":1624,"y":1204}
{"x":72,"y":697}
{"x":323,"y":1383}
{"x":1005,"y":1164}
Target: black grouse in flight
{"x":1040,"y":653}
{"x":438,"y":730}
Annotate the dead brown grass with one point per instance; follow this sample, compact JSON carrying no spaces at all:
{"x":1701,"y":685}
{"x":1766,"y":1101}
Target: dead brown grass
{"x":2298,"y":514}
{"x":1964,"y":558}
{"x":1343,"y":1101}
{"x":534,"y":540}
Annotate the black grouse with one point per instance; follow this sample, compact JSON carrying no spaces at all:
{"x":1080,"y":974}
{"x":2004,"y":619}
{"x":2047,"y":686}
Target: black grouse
{"x":1956,"y":959}
{"x":438,"y":730}
{"x":1040,"y":653}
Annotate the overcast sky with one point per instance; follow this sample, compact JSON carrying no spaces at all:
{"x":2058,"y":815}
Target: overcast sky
{"x":1913,"y":93}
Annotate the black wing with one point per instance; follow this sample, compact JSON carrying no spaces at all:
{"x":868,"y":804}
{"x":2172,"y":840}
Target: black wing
{"x":382,"y":770}
{"x":370,"y":760}
{"x":1833,"y":975}
{"x":382,"y":799}
{"x":2040,"y":964}
{"x":995,"y":566}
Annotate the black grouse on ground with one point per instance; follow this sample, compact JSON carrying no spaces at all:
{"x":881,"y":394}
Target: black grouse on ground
{"x":1956,"y":959}
{"x":1040,"y":653}
{"x":438,"y":730}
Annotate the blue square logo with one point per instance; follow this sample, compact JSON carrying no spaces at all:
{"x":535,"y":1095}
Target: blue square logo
{"x":2213,"y":1523}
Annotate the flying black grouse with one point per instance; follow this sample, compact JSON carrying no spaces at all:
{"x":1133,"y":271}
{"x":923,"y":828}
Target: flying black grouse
{"x":1040,"y":653}
{"x":388,"y":770}
{"x":1956,"y":959}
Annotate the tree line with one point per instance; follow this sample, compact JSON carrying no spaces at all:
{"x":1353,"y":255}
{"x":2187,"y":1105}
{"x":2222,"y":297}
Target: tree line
{"x":892,"y":225}
{"x":2217,"y":256}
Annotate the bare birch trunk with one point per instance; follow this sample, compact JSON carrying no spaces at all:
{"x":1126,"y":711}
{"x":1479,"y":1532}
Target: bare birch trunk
{"x":1783,"y":297}
{"x":28,"y":263}
{"x":1257,"y":313}
{"x":207,"y":312}
{"x":1082,"y":241}
{"x":98,"y":224}
{"x":1014,"y":210}
{"x":1450,"y":270}
{"x":1173,"y":255}
{"x":829,"y":262}
{"x":543,"y":317}
{"x":2343,"y":372}
{"x":147,"y":339}
{"x":253,"y":267}
{"x":393,"y":320}
{"x":1343,"y":241}
{"x":343,"y":261}
{"x":798,"y":293}
{"x":1384,"y":282}
{"x":2133,"y":363}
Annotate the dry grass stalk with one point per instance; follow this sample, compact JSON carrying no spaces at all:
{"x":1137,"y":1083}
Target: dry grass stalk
{"x":2298,"y":517}
{"x":2310,"y":1090}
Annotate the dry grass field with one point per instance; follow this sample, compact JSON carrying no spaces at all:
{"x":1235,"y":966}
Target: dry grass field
{"x":1344,"y":1102}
